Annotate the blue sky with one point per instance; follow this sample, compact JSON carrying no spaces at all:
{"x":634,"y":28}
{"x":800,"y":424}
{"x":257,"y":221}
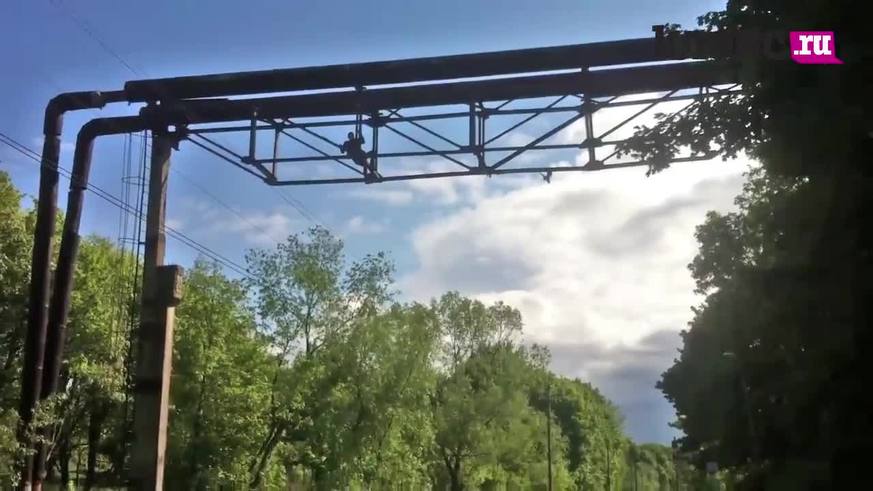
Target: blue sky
{"x":596,"y":264}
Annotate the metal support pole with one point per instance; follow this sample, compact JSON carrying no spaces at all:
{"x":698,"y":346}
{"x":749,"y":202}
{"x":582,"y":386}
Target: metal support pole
{"x":590,"y":139}
{"x":276,"y":134}
{"x":40,"y":265}
{"x":34,"y":342}
{"x":472,"y":126}
{"x":253,"y":135}
{"x":480,"y":144}
{"x":161,"y":292}
{"x":59,"y":306}
{"x":376,"y":120}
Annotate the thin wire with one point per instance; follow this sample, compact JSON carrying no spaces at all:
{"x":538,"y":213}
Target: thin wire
{"x":218,"y":200}
{"x":301,"y":208}
{"x":87,"y":29}
{"x":118,"y":322}
{"x":135,"y":290}
{"x":113,"y":200}
{"x":296,"y":204}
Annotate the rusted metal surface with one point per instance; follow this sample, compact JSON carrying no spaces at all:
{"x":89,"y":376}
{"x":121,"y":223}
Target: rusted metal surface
{"x":154,"y":351}
{"x":597,"y":83}
{"x":32,"y":389}
{"x":665,"y":46}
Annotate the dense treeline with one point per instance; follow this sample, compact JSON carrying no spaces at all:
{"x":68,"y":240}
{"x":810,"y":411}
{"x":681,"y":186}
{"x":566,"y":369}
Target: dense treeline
{"x":773,"y":381}
{"x":308,"y":372}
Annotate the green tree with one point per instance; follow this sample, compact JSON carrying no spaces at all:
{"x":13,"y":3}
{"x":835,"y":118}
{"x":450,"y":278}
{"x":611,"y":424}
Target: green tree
{"x":307,"y":297}
{"x":486,"y":432}
{"x":92,"y":374}
{"x":15,"y":245}
{"x":652,"y":467}
{"x":772,"y":378}
{"x":220,"y":375}
{"x":304,"y":374}
{"x":593,"y":429}
{"x":370,"y":426}
{"x":84,"y":418}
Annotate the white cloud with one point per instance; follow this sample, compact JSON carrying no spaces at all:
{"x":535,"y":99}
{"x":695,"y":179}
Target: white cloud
{"x":463,"y":190}
{"x":256,"y":228}
{"x":449,"y":190}
{"x":445,"y":191}
{"x":596,"y":262}
{"x":261,"y":228}
{"x":361,"y":226}
{"x":382,"y":194}
{"x":175,"y":223}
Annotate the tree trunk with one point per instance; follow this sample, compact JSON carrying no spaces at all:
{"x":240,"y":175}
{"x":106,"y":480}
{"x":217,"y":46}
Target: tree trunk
{"x":196,"y":436}
{"x":455,"y":476}
{"x":456,"y":484}
{"x":261,"y":460}
{"x":95,"y":426}
{"x":64,"y":456}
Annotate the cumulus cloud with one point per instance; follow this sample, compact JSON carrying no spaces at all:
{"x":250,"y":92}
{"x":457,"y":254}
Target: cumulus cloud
{"x":596,"y":263}
{"x":361,"y":226}
{"x":382,"y":195}
{"x":450,"y":190}
{"x":261,"y":228}
{"x":174,"y":223}
{"x":256,"y":228}
{"x":627,"y":375}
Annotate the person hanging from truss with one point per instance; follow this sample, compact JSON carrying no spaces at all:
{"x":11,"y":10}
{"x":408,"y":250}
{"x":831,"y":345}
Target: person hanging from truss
{"x":353,"y":147}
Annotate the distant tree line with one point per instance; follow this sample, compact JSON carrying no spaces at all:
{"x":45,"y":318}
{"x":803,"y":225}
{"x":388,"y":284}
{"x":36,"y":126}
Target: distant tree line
{"x":309,"y":373}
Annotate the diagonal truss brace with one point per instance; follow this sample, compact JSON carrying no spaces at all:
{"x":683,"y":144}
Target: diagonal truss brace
{"x":324,"y":149}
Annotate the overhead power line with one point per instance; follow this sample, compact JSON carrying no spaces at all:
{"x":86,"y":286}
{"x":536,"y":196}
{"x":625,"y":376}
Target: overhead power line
{"x":118,"y":203}
{"x":92,"y":33}
{"x":85,"y":27}
{"x":222,"y":203}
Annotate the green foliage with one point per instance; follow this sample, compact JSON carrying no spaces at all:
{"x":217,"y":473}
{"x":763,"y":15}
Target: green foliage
{"x":16,"y":228}
{"x":306,"y":374}
{"x":653,"y":467}
{"x":772,"y":379}
{"x":220,"y":369}
{"x":14,"y":277}
{"x":592,"y":428}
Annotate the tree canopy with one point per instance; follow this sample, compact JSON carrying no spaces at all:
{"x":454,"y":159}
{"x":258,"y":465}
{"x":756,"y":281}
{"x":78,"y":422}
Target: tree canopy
{"x":308,"y":373}
{"x":311,"y":373}
{"x":771,"y":380}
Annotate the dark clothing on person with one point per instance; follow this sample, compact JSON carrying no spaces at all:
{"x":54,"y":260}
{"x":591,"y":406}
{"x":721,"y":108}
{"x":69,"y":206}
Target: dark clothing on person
{"x":353,"y":147}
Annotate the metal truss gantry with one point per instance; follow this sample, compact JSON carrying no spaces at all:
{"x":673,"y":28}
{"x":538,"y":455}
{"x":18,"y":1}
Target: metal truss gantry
{"x":471,"y":92}
{"x":488,"y":155}
{"x":473,"y":139}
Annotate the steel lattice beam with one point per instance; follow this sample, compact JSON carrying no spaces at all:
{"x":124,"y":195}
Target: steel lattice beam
{"x":380,"y":108}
